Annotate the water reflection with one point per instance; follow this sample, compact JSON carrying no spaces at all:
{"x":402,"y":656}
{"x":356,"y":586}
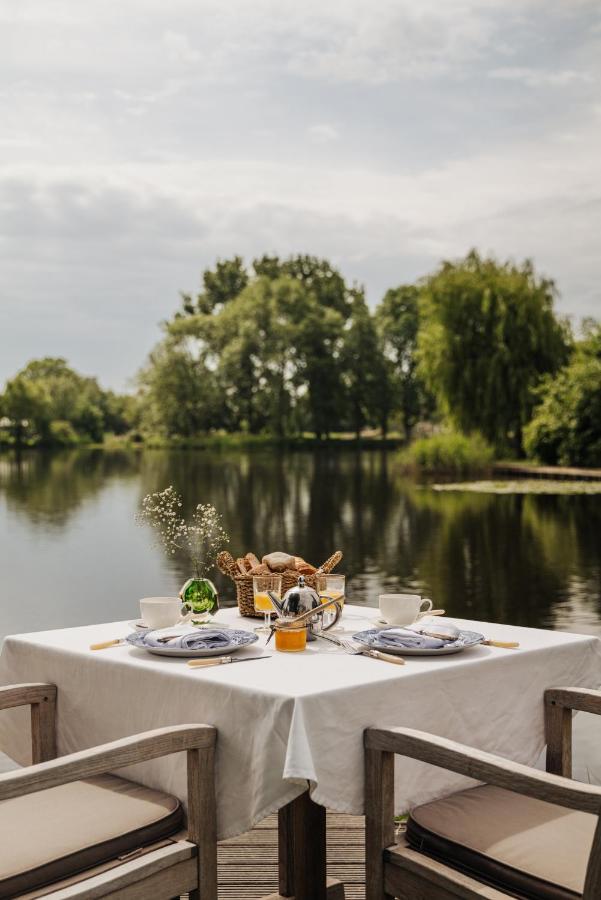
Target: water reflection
{"x":532,"y":560}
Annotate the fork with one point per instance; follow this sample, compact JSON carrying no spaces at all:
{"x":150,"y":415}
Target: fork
{"x":355,"y":649}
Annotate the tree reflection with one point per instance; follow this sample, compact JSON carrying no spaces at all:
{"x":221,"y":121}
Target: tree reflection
{"x":49,"y":487}
{"x":508,"y":558}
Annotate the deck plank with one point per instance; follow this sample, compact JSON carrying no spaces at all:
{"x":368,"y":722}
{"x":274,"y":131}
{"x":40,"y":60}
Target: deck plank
{"x":247,"y":864}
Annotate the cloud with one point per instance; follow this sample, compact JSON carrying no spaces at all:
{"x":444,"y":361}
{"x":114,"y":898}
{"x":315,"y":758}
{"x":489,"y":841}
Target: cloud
{"x":323,"y":133}
{"x":141,"y":141}
{"x":535,"y":78}
{"x":178,"y":48}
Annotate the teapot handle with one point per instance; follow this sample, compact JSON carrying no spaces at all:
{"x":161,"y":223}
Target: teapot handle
{"x":337,"y":613}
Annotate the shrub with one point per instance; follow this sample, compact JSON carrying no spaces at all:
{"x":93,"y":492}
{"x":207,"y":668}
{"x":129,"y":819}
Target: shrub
{"x":566,"y":426}
{"x":63,"y":433}
{"x":450,"y":452}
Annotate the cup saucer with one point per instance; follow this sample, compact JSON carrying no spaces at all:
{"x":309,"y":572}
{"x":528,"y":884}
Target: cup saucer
{"x":381,"y":624}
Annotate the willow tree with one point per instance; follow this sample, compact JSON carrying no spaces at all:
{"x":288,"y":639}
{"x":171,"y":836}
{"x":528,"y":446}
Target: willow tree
{"x":488,"y":334}
{"x":566,"y":426}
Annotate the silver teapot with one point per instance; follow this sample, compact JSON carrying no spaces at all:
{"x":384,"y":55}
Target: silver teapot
{"x":301,"y":599}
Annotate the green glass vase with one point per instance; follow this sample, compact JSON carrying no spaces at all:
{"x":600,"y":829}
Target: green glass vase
{"x":200,"y":596}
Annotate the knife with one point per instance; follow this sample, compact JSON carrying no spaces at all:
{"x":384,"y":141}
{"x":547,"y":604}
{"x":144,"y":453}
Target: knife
{"x":504,"y":645}
{"x":116,"y":642}
{"x":221,"y":660}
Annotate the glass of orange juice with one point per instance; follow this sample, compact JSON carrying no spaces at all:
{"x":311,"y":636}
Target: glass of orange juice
{"x":263,"y":585}
{"x":331,"y":587}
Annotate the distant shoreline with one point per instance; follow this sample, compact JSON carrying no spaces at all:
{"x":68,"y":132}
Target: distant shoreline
{"x":518,"y":470}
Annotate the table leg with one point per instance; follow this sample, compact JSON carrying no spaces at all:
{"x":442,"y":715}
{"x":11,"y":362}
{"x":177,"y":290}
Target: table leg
{"x":302,"y":853}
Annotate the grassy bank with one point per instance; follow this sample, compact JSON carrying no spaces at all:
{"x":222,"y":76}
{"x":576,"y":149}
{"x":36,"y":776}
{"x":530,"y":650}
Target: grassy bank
{"x":220,"y":441}
{"x":450,"y":453}
{"x":523,"y":486}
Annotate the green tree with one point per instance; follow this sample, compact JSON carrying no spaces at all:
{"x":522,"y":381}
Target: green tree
{"x":397,"y":320}
{"x":53,"y":392}
{"x":316,"y":275}
{"x":566,"y":425}
{"x":276,"y":346}
{"x":487,"y":335}
{"x":179,"y":394}
{"x":221,"y":284}
{"x":364,"y":371}
{"x":27,"y":405}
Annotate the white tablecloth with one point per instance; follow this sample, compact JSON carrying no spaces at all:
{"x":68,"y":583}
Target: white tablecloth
{"x":297,"y":717}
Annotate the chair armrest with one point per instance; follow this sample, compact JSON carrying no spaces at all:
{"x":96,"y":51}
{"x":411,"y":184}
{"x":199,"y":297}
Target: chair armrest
{"x":582,"y":699}
{"x":487,"y":767}
{"x":99,"y":760}
{"x":42,"y":699}
{"x":26,"y":694}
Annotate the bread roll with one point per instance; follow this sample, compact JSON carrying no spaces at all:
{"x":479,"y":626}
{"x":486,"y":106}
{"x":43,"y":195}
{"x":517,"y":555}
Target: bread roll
{"x":279,"y":562}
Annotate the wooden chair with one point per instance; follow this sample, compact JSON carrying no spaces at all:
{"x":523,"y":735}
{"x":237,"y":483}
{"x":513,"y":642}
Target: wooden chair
{"x":524,"y":833}
{"x":71,"y":830}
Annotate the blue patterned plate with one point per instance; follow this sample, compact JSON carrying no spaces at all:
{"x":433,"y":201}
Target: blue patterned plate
{"x":236,"y":639}
{"x":371,"y":638}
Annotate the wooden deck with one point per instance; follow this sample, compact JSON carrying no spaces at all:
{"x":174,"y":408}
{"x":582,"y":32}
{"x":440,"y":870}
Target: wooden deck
{"x":569,"y":473}
{"x":248,"y":863}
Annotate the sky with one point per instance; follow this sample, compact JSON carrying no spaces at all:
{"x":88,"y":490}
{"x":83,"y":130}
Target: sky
{"x":141,"y":140}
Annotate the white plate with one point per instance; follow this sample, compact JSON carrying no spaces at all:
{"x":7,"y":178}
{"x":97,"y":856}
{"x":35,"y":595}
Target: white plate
{"x":238,"y":639}
{"x":465,"y":640}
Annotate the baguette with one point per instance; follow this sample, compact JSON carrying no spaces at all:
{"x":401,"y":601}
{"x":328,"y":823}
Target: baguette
{"x":241,"y":563}
{"x":252,"y":560}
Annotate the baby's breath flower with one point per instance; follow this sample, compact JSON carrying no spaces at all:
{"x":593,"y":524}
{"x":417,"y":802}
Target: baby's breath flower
{"x":200,"y":539}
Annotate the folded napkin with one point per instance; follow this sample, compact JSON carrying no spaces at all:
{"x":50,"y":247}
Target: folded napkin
{"x":403,"y":637}
{"x":207,"y":639}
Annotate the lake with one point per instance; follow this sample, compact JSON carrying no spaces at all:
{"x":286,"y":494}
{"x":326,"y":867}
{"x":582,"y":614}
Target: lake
{"x":71,"y":552}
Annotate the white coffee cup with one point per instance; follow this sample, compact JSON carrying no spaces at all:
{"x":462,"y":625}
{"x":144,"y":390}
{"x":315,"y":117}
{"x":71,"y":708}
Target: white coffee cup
{"x":161,"y":612}
{"x":403,"y":609}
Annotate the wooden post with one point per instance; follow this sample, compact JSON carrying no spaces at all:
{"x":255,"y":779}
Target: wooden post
{"x":379,"y":819}
{"x":285,"y":852}
{"x":43,"y":729}
{"x":558,"y":734}
{"x":302,"y":853}
{"x":202,"y":819}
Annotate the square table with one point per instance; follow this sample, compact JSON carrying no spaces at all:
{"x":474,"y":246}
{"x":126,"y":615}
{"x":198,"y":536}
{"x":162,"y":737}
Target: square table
{"x":295,"y":722}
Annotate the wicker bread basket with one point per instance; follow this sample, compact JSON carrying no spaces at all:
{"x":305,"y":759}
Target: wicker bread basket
{"x":244,"y":583}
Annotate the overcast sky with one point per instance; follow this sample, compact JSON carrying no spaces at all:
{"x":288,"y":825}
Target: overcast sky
{"x":142,"y":139}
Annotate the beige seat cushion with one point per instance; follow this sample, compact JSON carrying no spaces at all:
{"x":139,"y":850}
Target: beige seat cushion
{"x":531,"y":848}
{"x":56,"y":833}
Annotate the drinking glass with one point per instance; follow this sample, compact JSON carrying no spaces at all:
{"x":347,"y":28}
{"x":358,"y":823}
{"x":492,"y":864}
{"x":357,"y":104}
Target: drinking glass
{"x":262,"y":585}
{"x":331,"y":587}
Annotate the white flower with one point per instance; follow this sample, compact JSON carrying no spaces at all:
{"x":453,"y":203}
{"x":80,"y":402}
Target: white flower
{"x":200,"y":539}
